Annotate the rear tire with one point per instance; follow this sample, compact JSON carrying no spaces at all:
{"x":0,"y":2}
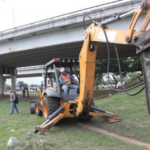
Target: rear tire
{"x":32,"y":107}
{"x":85,"y":117}
{"x":50,"y":105}
{"x":37,"y":109}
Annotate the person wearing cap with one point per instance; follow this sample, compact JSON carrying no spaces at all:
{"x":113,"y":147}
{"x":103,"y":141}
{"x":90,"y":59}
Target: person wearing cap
{"x":12,"y":99}
{"x":66,"y":79}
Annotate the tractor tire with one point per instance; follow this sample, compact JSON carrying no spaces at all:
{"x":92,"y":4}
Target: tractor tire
{"x":50,"y":105}
{"x":32,"y":107}
{"x":85,"y":117}
{"x":37,"y":109}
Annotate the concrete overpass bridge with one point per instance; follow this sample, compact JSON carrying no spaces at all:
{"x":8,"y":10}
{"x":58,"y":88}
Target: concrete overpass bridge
{"x":23,"y":72}
{"x":61,"y":36}
{"x":30,"y":71}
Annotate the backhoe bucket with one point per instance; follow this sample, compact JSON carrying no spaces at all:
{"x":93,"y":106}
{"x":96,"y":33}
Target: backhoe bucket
{"x":145,"y":59}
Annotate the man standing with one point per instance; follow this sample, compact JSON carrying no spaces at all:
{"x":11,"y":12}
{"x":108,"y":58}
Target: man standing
{"x":12,"y":99}
{"x":28,"y":92}
{"x":66,"y":79}
{"x":23,"y":92}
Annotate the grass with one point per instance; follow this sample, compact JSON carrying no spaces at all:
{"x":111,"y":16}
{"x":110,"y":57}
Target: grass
{"x":68,"y":135}
{"x":133,"y":111}
{"x":35,"y":93}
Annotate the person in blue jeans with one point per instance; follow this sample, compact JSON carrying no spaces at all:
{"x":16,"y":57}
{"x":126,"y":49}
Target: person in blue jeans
{"x":13,"y":104}
{"x":66,"y":79}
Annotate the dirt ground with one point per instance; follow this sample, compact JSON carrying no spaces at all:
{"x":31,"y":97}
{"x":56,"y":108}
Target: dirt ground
{"x":6,"y":98}
{"x":116,"y":136}
{"x":97,"y":95}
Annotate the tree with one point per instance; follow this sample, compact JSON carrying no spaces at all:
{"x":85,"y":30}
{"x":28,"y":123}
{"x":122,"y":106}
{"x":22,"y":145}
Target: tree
{"x":130,"y":64}
{"x":133,"y":76}
{"x":8,"y":87}
{"x":33,"y":85}
{"x":20,"y":83}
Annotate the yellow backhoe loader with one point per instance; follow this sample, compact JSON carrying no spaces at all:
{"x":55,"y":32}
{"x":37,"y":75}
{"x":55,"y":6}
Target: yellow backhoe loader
{"x":82,"y":105}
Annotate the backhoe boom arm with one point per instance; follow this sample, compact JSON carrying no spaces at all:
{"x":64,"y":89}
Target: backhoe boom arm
{"x":95,"y":34}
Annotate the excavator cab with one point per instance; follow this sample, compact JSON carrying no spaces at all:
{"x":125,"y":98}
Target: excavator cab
{"x":70,"y":66}
{"x":51,"y":93}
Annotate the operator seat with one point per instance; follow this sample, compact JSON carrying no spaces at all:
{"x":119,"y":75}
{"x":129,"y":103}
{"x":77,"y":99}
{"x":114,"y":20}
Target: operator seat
{"x":71,"y":91}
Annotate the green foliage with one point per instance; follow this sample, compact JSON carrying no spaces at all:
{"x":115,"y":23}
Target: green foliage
{"x":8,"y":87}
{"x":33,"y":85}
{"x":51,"y":75}
{"x":20,"y":83}
{"x":127,"y":65}
{"x":133,"y":76}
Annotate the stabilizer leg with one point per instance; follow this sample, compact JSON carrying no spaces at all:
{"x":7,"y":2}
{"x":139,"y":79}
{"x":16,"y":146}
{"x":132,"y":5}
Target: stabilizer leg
{"x":45,"y":128}
{"x":51,"y":121}
{"x":113,"y":117}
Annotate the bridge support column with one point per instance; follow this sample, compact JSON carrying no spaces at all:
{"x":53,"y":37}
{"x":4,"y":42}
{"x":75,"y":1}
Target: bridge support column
{"x":1,"y":83}
{"x":4,"y":85}
{"x":13,"y":80}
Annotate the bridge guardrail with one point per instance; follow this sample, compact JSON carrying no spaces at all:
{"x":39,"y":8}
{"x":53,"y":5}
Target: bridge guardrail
{"x":34,"y":27}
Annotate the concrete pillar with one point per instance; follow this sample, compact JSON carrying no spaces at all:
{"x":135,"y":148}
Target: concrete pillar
{"x":1,"y":85}
{"x":1,"y":82}
{"x":4,"y":85}
{"x":13,"y":80}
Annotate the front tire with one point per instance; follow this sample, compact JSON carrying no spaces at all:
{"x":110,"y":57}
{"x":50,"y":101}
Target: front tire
{"x":50,"y":105}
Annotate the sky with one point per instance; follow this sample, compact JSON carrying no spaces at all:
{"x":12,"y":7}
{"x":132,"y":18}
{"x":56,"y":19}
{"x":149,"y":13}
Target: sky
{"x":20,"y":12}
{"x":15,"y":13}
